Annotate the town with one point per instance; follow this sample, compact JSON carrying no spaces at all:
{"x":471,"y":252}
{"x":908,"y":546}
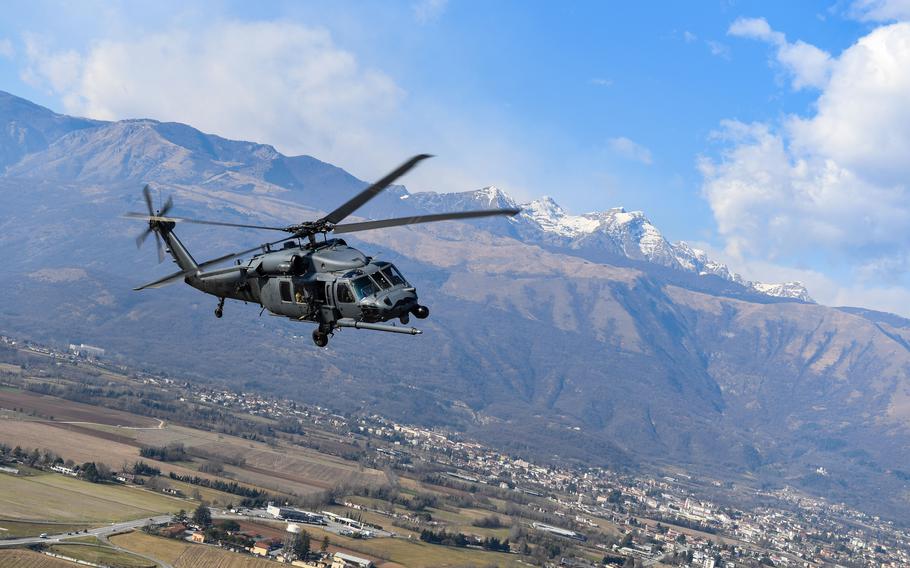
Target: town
{"x":633,"y":518}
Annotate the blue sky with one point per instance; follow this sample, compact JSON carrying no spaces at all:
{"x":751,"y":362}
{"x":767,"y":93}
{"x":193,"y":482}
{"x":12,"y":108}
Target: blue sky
{"x":597,"y":104}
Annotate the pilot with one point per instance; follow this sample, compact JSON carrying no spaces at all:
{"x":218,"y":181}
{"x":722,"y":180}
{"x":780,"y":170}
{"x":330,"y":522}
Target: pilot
{"x":298,"y":296}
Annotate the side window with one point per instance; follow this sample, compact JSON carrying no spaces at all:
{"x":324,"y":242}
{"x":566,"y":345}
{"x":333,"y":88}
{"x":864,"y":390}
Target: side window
{"x":284,"y":288}
{"x":344,"y":294}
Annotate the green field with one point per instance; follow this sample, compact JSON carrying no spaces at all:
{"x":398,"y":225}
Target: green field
{"x":52,"y":497}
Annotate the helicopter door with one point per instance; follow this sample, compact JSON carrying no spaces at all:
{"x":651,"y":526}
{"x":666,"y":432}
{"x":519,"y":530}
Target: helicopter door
{"x":344,"y":300}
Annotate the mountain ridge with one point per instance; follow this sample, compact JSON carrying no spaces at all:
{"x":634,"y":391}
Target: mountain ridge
{"x":667,"y":367}
{"x":627,"y":233}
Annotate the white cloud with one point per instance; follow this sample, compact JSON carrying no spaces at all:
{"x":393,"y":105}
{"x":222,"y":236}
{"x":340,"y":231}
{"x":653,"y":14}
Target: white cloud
{"x":601,"y":82}
{"x":630,"y":150}
{"x":880,"y":10}
{"x":808,"y":65}
{"x":6,"y":48}
{"x":689,"y":37}
{"x":833,"y":184}
{"x":426,"y":11}
{"x":278,"y":82}
{"x":873,"y":294}
{"x":718,"y":49}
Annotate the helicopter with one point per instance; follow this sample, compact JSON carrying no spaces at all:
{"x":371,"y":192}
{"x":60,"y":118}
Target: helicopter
{"x":323,"y":281}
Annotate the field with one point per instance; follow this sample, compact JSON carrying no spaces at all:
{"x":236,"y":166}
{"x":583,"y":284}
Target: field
{"x":87,"y":433}
{"x":180,"y":554}
{"x":52,"y":497}
{"x":114,"y":437}
{"x":29,"y":559}
{"x":414,"y":553}
{"x":404,"y":551}
{"x":16,"y":529}
{"x":65,"y":410}
{"x":300,"y":470}
{"x":99,"y":554}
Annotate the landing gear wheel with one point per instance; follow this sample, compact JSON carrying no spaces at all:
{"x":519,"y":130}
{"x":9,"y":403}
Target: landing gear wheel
{"x":321,"y":339}
{"x":219,"y":311}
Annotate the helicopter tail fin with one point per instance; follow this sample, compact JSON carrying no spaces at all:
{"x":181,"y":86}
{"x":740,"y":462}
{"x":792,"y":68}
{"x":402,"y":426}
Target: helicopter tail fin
{"x":182,"y":257}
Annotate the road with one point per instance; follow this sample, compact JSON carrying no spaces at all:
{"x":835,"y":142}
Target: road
{"x":160,"y":426}
{"x":100,"y":532}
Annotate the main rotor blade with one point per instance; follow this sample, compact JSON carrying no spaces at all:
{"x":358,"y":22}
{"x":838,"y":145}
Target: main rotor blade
{"x":143,"y":216}
{"x":383,"y":223}
{"x":146,"y":192}
{"x":170,"y":278}
{"x":234,"y":255}
{"x":369,"y":193}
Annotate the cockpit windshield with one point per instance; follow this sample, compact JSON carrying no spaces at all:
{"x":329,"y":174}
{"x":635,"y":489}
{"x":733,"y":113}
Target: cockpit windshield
{"x":393,"y":275}
{"x":364,"y":286}
{"x":381,"y":279}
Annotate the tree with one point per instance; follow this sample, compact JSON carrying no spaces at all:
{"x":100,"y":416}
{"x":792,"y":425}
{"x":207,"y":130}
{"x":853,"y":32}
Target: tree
{"x":202,"y":516}
{"x":90,"y":472}
{"x":229,"y":525}
{"x":302,"y":545}
{"x":325,"y":544}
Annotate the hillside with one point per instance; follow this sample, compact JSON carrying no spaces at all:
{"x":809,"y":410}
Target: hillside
{"x":559,"y":348}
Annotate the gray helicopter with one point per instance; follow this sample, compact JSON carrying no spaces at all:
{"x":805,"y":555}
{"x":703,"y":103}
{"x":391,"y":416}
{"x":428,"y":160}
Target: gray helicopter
{"x":323,"y":281}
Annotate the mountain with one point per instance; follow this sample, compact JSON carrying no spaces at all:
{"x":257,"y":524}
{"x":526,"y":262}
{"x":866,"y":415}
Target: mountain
{"x":600,"y":346}
{"x":617,"y":232}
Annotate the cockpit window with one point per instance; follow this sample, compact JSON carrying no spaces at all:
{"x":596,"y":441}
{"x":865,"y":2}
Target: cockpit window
{"x":381,"y":279}
{"x":364,"y":287}
{"x":394,"y":276}
{"x":344,"y":294}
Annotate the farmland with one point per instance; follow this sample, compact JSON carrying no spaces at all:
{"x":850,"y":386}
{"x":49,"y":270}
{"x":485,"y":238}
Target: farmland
{"x":61,"y":410}
{"x":51,"y":497}
{"x":183,"y":555}
{"x":238,"y":449}
{"x":100,"y":554}
{"x":283,"y":468}
{"x":30,"y":559}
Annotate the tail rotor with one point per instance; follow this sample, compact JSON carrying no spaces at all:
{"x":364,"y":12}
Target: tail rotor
{"x":153,"y":222}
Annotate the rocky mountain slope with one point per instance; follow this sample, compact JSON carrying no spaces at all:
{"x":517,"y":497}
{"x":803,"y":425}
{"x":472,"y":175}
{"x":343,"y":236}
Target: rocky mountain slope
{"x":616,"y":232}
{"x":589,"y":353}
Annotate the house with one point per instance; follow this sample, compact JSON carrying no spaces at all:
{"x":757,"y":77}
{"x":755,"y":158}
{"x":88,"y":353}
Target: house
{"x":342,"y":560}
{"x":264,"y":547}
{"x":174,"y":531}
{"x":198,"y":537}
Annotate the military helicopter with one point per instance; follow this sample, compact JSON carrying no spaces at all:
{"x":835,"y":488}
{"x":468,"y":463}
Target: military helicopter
{"x":323,"y":281}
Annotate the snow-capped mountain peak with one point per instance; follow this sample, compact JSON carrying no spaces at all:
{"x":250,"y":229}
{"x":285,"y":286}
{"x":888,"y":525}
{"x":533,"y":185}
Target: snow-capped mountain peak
{"x":614,"y":231}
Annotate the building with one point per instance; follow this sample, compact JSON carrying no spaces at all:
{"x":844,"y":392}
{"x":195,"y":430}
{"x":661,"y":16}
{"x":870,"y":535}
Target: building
{"x":197,"y":537}
{"x":264,"y":547}
{"x":565,"y":533}
{"x":87,"y":351}
{"x":291,"y":514}
{"x":342,"y":560}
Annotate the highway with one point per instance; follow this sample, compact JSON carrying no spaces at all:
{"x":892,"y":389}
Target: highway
{"x":100,"y":532}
